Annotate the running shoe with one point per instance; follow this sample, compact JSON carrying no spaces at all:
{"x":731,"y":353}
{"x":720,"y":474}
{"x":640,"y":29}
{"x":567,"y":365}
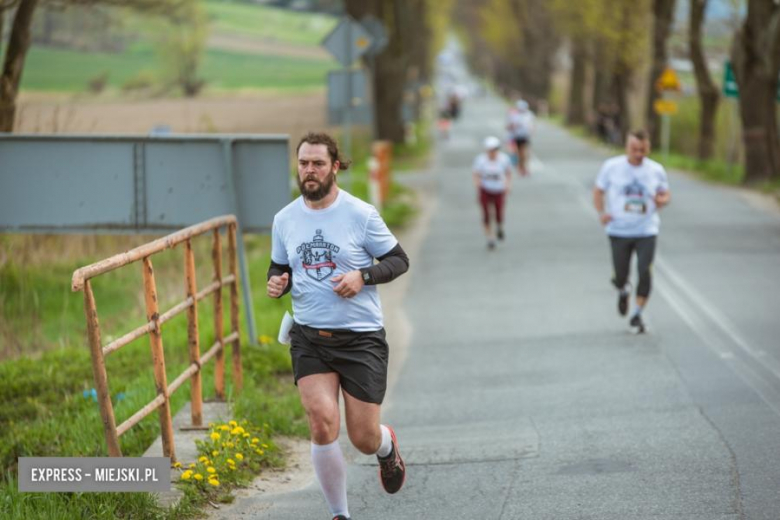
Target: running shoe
{"x":392,"y":470}
{"x":491,"y":245}
{"x":341,"y":517}
{"x":637,"y":324}
{"x":623,"y":303}
{"x":500,"y":234}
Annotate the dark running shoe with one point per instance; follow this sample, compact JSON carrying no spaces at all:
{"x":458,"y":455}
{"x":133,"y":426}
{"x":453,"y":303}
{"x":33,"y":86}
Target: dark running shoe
{"x":491,"y":245}
{"x":623,"y":303}
{"x":341,"y":517}
{"x":392,"y":470}
{"x":637,"y":324}
{"x":500,"y":234}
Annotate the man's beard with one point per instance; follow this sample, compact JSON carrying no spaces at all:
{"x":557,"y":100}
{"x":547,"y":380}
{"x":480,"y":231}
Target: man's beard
{"x":320,"y":191}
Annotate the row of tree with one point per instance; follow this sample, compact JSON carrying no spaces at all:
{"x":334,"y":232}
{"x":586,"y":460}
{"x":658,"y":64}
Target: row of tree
{"x":611,"y":44}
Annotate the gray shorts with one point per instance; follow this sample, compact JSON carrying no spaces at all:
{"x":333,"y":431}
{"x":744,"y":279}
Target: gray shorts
{"x":359,"y":358}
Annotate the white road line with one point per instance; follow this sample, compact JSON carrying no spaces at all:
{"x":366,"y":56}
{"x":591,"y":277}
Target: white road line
{"x":717,"y":317}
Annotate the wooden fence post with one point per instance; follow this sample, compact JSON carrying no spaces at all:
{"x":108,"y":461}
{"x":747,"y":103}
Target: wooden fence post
{"x":219,"y":359}
{"x":99,"y":372}
{"x":158,"y":358}
{"x":196,"y":391}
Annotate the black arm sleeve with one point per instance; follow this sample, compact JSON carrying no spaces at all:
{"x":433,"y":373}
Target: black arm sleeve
{"x":391,"y":265}
{"x":278,"y":270}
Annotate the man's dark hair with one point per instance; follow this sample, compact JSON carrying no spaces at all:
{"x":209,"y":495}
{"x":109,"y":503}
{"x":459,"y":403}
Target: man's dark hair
{"x":640,"y":134}
{"x":333,"y":147}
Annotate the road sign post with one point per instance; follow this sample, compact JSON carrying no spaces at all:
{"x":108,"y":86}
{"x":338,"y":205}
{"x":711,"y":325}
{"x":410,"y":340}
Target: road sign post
{"x":347,"y":42}
{"x":665,"y":107}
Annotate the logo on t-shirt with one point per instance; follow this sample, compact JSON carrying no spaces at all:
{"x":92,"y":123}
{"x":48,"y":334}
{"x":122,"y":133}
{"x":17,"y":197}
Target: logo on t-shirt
{"x":317,"y":257}
{"x":635,"y":198}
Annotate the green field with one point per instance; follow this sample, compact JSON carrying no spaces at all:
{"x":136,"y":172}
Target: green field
{"x":56,"y":70}
{"x":269,"y":23}
{"x":51,"y":69}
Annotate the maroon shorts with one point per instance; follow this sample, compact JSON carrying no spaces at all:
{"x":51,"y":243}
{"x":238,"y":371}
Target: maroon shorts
{"x":487,"y":199}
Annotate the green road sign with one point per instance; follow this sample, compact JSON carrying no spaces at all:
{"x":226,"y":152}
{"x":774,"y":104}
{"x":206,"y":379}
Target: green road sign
{"x":730,"y":87}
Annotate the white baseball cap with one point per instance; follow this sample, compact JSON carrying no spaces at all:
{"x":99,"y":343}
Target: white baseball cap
{"x":492,"y":143}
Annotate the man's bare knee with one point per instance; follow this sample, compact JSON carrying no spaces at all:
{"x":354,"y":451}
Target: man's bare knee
{"x":366,"y":441}
{"x":323,"y":424}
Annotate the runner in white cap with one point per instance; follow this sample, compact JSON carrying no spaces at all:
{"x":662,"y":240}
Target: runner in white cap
{"x":492,"y":178}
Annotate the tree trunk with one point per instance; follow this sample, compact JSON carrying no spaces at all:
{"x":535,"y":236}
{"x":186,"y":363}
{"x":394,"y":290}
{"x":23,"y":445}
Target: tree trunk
{"x":389,"y":67}
{"x":621,"y":85}
{"x":663,"y":18}
{"x":755,"y":56}
{"x":18,"y":44}
{"x":575,"y":111}
{"x":708,"y":91}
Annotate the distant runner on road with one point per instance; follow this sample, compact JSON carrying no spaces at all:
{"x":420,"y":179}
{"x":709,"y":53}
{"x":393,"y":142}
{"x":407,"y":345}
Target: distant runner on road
{"x":493,"y":179}
{"x":636,"y":188}
{"x":520,"y":123}
{"x":323,"y":248}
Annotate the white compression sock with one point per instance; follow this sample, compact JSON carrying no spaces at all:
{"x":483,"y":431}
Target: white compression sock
{"x":331,"y":473}
{"x":387,"y":442}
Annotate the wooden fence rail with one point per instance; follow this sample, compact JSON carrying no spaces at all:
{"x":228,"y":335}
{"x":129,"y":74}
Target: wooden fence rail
{"x":153,"y":327}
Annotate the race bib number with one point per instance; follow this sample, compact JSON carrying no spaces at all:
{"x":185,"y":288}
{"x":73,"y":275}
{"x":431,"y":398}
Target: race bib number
{"x":636,"y":206}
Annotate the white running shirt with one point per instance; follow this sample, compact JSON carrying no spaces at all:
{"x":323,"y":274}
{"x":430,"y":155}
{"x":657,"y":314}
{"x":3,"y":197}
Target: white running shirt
{"x":318,"y":245}
{"x":520,"y":124}
{"x":492,"y":174}
{"x":631,"y":192}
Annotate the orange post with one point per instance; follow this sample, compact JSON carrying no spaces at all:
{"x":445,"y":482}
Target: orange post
{"x":99,"y":371}
{"x":383,"y":153}
{"x":158,"y":358}
{"x":219,"y":359}
{"x":196,"y":391}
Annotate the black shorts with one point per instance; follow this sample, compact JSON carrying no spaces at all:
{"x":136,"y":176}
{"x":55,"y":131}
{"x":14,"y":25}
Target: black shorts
{"x":521,"y":141}
{"x":359,"y":358}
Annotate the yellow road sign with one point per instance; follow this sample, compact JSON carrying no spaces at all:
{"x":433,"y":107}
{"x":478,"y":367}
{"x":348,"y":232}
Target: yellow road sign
{"x":668,"y":80}
{"x":665,"y":107}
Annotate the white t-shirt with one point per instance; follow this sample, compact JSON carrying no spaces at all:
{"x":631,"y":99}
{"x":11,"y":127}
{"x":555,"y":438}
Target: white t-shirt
{"x":320,"y":244}
{"x":631,"y":192}
{"x":520,"y":124}
{"x":493,"y":173}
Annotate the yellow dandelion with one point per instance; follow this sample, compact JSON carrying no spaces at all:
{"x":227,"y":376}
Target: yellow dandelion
{"x":186,"y":475}
{"x":214,"y":453}
{"x":259,"y":452}
{"x":192,"y":465}
{"x":215,"y":436}
{"x":245,"y":435}
{"x":229,"y":444}
{"x":177,"y":465}
{"x":238,"y":430}
{"x":203,"y":459}
{"x":265,"y":339}
{"x":255,"y":440}
{"x":231,"y":461}
{"x":214,"y":482}
{"x":225,"y":428}
{"x":211,"y":469}
{"x":240,"y":456}
{"x":264,"y":445}
{"x":198,"y":476}
{"x":211,"y":425}
{"x":233,"y":423}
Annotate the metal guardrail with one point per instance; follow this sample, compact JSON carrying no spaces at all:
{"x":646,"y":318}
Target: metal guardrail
{"x":153,"y":327}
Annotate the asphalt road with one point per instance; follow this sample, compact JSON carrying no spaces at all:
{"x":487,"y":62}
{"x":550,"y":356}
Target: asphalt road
{"x":525,"y":396}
